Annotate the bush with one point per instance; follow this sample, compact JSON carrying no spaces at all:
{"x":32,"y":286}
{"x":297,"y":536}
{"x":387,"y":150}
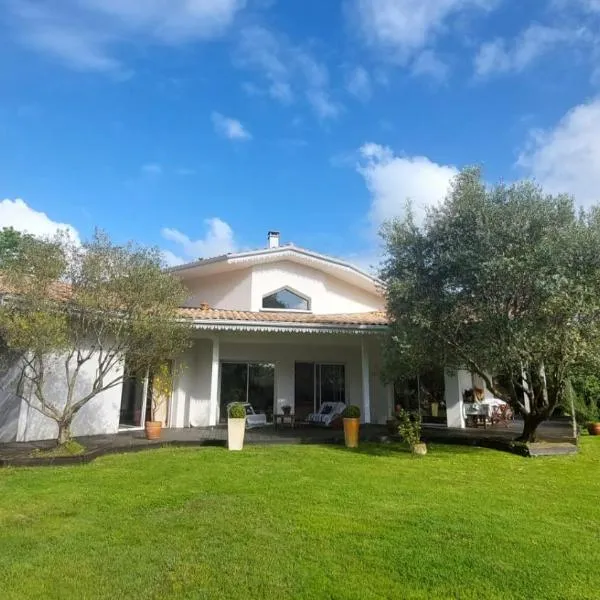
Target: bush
{"x":409,"y":427}
{"x":237,"y":411}
{"x":584,"y":393}
{"x":351,"y":412}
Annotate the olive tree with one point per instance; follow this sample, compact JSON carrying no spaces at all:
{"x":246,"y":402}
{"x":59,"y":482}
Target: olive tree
{"x":69,"y":311}
{"x":503,"y":281}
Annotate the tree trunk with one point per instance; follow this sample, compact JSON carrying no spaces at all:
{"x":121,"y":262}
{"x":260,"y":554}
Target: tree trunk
{"x":64,"y":431}
{"x":531,"y":423}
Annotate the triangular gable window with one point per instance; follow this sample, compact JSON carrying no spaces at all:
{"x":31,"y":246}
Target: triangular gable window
{"x":285,"y":299}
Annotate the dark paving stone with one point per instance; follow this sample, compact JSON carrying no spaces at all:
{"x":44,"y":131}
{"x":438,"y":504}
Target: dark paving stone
{"x":19,"y":453}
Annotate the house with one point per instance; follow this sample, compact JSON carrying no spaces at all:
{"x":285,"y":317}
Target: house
{"x":277,"y":327}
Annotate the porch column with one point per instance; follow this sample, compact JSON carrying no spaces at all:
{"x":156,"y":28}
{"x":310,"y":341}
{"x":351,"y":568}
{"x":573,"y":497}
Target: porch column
{"x":455,"y":383}
{"x":214,"y":381}
{"x":366,"y":384}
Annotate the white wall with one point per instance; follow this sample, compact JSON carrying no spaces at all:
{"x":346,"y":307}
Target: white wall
{"x":244,"y":289}
{"x":191,"y":401}
{"x":10,"y":405}
{"x":191,"y":393}
{"x":226,"y":290}
{"x":328,"y":294}
{"x":99,"y":415}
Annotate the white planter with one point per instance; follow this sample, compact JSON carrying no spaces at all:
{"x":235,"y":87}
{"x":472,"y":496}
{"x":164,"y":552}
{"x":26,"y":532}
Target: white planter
{"x":236,"y":428}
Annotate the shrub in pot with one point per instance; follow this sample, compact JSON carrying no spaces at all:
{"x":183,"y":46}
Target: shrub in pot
{"x":236,"y":426}
{"x":161,"y":388}
{"x":409,"y":427}
{"x":351,"y":417}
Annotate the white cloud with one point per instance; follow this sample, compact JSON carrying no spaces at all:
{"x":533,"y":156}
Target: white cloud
{"x":290,"y":71}
{"x":219,"y":239}
{"x":501,"y":56}
{"x":358,"y":83}
{"x":230,"y":128}
{"x":19,"y":215}
{"x":152,"y":169}
{"x":401,"y":28}
{"x":86,"y":34}
{"x":428,"y":63}
{"x":566,"y":158}
{"x":393,"y":180}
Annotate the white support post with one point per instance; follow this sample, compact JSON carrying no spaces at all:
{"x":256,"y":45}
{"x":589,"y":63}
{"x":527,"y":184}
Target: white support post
{"x":366,"y":384}
{"x":455,"y":384}
{"x":214,"y":382}
{"x":145,"y":386}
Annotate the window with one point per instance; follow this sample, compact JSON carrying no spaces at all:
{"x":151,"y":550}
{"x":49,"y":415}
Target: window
{"x":248,"y":382}
{"x":285,"y":299}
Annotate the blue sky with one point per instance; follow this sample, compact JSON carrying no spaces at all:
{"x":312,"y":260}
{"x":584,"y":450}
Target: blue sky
{"x":198,"y":125}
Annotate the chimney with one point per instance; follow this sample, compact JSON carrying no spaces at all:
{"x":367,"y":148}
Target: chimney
{"x":273,"y":238}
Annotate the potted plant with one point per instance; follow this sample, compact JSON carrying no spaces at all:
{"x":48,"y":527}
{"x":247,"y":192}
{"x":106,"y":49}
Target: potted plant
{"x":236,"y":426}
{"x":410,"y":429}
{"x":593,"y":416}
{"x":351,"y":416}
{"x":161,"y":388}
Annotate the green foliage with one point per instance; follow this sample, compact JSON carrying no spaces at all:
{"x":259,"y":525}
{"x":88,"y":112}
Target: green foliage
{"x":502,"y":280}
{"x":351,"y":412}
{"x":10,"y":244}
{"x":237,"y":411}
{"x":409,"y":427}
{"x":99,"y":303}
{"x":583,"y":393}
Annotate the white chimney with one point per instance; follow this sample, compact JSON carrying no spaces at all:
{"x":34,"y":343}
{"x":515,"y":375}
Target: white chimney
{"x":273,"y":238}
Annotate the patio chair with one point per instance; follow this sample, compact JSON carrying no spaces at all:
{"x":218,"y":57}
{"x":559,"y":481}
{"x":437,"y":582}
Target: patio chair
{"x":502,"y":414}
{"x":254,"y":419}
{"x":327,"y":414}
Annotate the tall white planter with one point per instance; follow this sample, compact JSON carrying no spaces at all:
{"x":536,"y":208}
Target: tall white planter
{"x":236,"y":428}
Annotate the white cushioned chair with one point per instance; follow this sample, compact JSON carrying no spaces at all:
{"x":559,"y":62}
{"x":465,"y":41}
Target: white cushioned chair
{"x":327,"y":413}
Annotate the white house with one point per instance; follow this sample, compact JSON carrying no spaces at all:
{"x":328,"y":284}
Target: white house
{"x":276,"y":327}
{"x":282,"y":326}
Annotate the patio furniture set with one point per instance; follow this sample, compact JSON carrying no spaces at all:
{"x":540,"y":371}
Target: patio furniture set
{"x":328,"y":415}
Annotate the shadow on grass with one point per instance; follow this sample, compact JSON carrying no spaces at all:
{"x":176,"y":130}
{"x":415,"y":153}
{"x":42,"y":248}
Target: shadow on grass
{"x":399,"y":449}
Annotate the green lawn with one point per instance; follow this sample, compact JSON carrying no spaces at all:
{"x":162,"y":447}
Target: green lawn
{"x":304,"y":522}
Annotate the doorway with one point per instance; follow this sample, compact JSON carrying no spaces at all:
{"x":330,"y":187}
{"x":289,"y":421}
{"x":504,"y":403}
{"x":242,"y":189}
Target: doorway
{"x":248,"y":382}
{"x":316,"y":383}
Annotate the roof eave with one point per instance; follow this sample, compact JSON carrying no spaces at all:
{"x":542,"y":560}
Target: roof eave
{"x":294,"y":327}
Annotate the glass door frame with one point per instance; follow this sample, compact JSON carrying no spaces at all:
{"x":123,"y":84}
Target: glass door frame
{"x":248,"y":364}
{"x":317,"y":392}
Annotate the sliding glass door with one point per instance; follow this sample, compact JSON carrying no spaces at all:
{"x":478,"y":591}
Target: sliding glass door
{"x":315,"y":384}
{"x":248,"y":382}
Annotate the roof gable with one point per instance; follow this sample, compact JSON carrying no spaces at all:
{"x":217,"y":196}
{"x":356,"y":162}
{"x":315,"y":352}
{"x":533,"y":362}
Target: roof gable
{"x":333,"y":266}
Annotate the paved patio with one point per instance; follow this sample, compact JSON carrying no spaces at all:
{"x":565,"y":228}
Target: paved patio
{"x":556,"y":436}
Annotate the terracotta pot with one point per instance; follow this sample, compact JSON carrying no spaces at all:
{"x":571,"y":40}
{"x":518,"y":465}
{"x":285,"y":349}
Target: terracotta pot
{"x":236,"y":429}
{"x":153,"y":430}
{"x":593,"y":428}
{"x":419,"y":449}
{"x":351,"y":430}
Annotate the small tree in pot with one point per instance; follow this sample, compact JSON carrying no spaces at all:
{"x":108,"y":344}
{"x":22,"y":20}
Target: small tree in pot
{"x":351,"y":416}
{"x":236,"y":426}
{"x":160,"y":394}
{"x":409,"y":428}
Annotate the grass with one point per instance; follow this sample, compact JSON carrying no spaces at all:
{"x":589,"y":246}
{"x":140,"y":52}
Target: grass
{"x":70,"y":448}
{"x":304,"y":522}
